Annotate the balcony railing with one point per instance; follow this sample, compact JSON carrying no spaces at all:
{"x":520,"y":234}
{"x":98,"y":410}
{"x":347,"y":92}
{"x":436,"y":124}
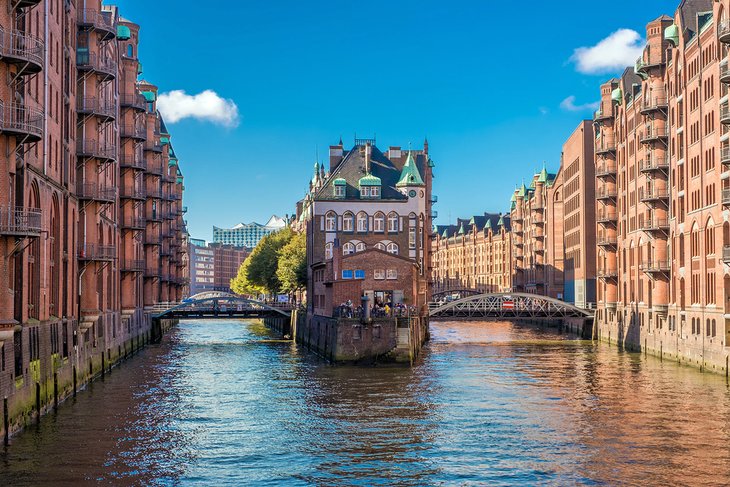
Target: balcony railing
{"x":98,"y":20}
{"x":726,"y":197}
{"x":104,"y":66}
{"x":606,"y":241}
{"x":655,"y":163}
{"x":606,"y":170}
{"x":21,"y":121}
{"x":606,"y":217}
{"x":155,"y":168}
{"x":133,"y":100}
{"x":655,"y":104}
{"x":133,"y":161}
{"x":134,"y":223}
{"x":725,"y":113}
{"x":94,"y":192}
{"x":155,"y":193}
{"x":726,"y":254}
{"x":92,"y":148}
{"x":724,"y":72}
{"x":153,"y":146}
{"x":654,"y":224}
{"x":133,"y":131}
{"x":605,"y":145}
{"x":723,"y":31}
{"x":152,"y":238}
{"x":655,"y":266}
{"x":601,"y":116}
{"x":94,"y":252}
{"x":133,"y":265}
{"x":647,"y":195}
{"x":133,"y":193}
{"x":154,"y":216}
{"x":654,"y":134}
{"x":605,"y":194}
{"x":725,"y":155}
{"x":23,"y":50}
{"x":94,"y":106}
{"x":608,"y":273}
{"x":20,"y":222}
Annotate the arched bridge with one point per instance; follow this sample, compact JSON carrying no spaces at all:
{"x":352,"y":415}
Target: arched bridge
{"x":506,"y":306}
{"x":221,"y":305}
{"x":461,"y":293}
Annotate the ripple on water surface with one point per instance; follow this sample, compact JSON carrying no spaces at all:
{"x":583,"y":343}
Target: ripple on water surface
{"x":225,"y":403}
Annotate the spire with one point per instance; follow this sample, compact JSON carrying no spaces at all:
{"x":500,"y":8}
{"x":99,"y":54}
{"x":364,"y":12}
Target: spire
{"x":543,"y":177}
{"x":410,"y":176}
{"x":425,"y":145}
{"x":500,"y":223}
{"x":461,"y":229}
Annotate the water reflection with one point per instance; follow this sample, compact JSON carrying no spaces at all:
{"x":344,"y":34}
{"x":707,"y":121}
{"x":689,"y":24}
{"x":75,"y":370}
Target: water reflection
{"x":220,"y":403}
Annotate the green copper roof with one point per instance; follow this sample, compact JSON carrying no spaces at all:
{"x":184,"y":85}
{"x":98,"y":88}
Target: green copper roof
{"x":446,"y":233}
{"x":179,"y":180}
{"x":123,"y":32}
{"x":461,"y":230}
{"x":340,"y":182}
{"x":149,"y":95}
{"x":488,"y":226}
{"x":431,"y":163}
{"x":164,"y":140}
{"x":543,"y":177}
{"x":617,"y":95}
{"x":172,"y":162}
{"x":500,"y":223}
{"x":316,"y":167}
{"x":514,"y":197}
{"x":410,"y":175}
{"x":370,"y":180}
{"x":523,"y":191}
{"x":671,"y":34}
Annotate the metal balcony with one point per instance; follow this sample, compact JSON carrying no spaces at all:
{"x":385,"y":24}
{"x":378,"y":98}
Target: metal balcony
{"x":94,"y":192}
{"x":654,"y":134}
{"x":155,"y":217}
{"x":133,"y":193}
{"x":606,"y":241}
{"x":154,"y":193}
{"x":26,"y":3}
{"x":605,"y":146}
{"x":724,"y":72}
{"x":152,"y":238}
{"x":20,"y":222}
{"x":726,"y":254}
{"x":132,"y":131}
{"x":102,"y":109}
{"x":605,"y":194}
{"x":655,"y":104}
{"x":94,"y":252}
{"x":607,"y":274}
{"x":133,"y":161}
{"x":517,"y":219}
{"x":726,"y":197}
{"x":725,"y":114}
{"x":134,"y":223}
{"x":155,"y":169}
{"x":90,"y":62}
{"x":653,"y":195}
{"x":600,"y":116}
{"x":133,"y":265}
{"x":606,"y":170}
{"x":92,"y":148}
{"x":100,"y":21}
{"x":723,"y":31}
{"x":655,"y":163}
{"x":655,"y":267}
{"x":725,"y":155}
{"x":655,"y":225}
{"x":133,"y":100}
{"x":21,"y":121}
{"x":152,"y":273}
{"x":153,"y":146}
{"x":606,"y":217}
{"x":25,"y":51}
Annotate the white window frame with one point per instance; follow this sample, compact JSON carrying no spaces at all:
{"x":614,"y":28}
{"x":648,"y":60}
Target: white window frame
{"x":392,"y":222}
{"x":347,"y":222}
{"x":360,"y":247}
{"x":339,"y":191}
{"x":379,"y":223}
{"x":391,"y":274}
{"x":330,"y":221}
{"x":348,"y":248}
{"x":329,"y":251}
{"x":381,"y":246}
{"x":392,"y":248}
{"x":379,"y":274}
{"x":362,"y":222}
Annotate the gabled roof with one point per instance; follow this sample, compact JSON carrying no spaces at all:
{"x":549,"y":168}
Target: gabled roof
{"x":410,"y":176}
{"x":688,"y":14}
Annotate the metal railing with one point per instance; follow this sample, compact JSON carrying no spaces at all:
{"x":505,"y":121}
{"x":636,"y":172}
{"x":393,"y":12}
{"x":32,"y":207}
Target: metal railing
{"x":655,"y":103}
{"x":723,"y":31}
{"x":654,"y":224}
{"x":135,"y":223}
{"x":604,"y":145}
{"x":20,"y":221}
{"x":133,"y":265}
{"x":724,"y":72}
{"x":725,"y":155}
{"x":655,"y":266}
{"x":605,"y":193}
{"x":20,"y":119}
{"x":92,"y":191}
{"x":22,"y":47}
{"x":91,"y":61}
{"x":654,"y":163}
{"x":726,"y":253}
{"x":92,"y":148}
{"x":654,"y":133}
{"x":608,"y":273}
{"x":132,"y":100}
{"x":133,"y":131}
{"x":96,"y":106}
{"x":726,"y":196}
{"x":652,"y":194}
{"x":133,"y":192}
{"x":724,"y":113}
{"x":606,"y":240}
{"x":153,"y":146}
{"x":134,"y":161}
{"x":103,"y":21}
{"x":606,"y":170}
{"x":606,"y":216}
{"x":94,"y":252}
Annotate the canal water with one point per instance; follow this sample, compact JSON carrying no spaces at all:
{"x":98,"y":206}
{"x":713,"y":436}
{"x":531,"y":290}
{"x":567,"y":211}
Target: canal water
{"x":223,"y":403}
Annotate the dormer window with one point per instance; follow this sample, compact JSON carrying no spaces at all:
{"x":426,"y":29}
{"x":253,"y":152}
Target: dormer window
{"x":370,"y":187}
{"x":339,"y":188}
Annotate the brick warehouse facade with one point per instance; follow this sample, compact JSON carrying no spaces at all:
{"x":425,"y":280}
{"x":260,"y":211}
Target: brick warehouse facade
{"x":664,"y":126}
{"x":87,"y":179}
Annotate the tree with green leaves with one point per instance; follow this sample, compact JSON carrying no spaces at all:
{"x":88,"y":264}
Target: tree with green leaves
{"x":292,"y":267}
{"x":241,"y":285}
{"x":262,"y":264}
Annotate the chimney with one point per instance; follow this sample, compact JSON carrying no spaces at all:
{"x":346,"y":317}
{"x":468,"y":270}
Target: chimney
{"x":368,"y":150}
{"x":425,"y":145}
{"x":336,"y":155}
{"x":394,"y":153}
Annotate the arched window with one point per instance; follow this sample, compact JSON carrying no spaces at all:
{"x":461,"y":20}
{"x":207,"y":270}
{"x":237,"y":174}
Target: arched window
{"x":392,"y":248}
{"x":362,"y":222}
{"x":348,"y":249}
{"x":347,"y":222}
{"x":392,"y":222}
{"x":330,"y":221}
{"x":360,"y":247}
{"x":130,"y":50}
{"x":328,"y":250}
{"x":710,"y":237}
{"x":380,"y":246}
{"x":379,"y":223}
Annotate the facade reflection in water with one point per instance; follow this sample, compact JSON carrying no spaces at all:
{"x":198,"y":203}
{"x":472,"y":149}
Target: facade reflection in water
{"x":497,"y":403}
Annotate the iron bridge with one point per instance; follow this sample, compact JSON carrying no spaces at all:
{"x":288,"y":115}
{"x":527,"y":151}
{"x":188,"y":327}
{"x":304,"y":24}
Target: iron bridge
{"x":507,"y":306}
{"x":461,"y":293}
{"x":221,"y":305}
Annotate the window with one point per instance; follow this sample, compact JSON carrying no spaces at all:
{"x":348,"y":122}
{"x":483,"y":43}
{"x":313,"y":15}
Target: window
{"x":347,"y":222}
{"x":412,"y":237}
{"x":359,"y":274}
{"x":330,"y":222}
{"x":328,"y":251}
{"x":392,"y":248}
{"x":347,"y":274}
{"x":380,"y":246}
{"x":375,"y":192}
{"x":360,"y":247}
{"x":392,"y":223}
{"x":348,"y":249}
{"x":379,"y":223}
{"x":379,"y":274}
{"x":392,"y":274}
{"x":130,"y":50}
{"x":362,"y":222}
{"x":339,"y":190}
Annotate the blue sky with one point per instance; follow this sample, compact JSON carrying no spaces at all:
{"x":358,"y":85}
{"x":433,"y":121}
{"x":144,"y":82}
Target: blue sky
{"x":487,"y":84}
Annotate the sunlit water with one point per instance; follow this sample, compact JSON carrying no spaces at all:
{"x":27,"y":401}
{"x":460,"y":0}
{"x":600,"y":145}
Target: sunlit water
{"x":219,"y":403}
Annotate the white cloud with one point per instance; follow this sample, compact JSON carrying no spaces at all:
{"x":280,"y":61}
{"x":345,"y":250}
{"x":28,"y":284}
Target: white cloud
{"x":569,"y":105}
{"x":176,"y":105}
{"x":543,"y":111}
{"x":615,"y":52}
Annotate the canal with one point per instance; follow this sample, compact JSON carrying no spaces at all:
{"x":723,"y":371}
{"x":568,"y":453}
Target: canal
{"x":223,"y":403}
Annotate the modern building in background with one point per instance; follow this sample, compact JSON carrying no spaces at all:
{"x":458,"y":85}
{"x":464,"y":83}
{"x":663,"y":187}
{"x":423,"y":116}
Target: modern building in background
{"x":91,"y":215}
{"x":212,"y":266}
{"x":247,"y":234}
